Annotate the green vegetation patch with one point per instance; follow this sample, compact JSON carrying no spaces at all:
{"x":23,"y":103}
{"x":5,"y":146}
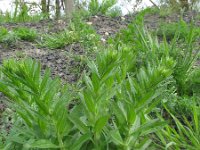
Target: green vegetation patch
{"x":77,"y":32}
{"x":26,"y":34}
{"x":181,"y":28}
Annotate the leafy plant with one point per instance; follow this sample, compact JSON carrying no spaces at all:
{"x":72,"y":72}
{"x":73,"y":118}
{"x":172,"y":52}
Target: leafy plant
{"x":95,"y":7}
{"x":95,"y":100}
{"x":186,"y":58}
{"x":8,"y":38}
{"x":40,"y":107}
{"x":169,"y":30}
{"x":114,"y":12}
{"x":184,"y":135}
{"x":86,"y":33}
{"x":21,"y":14}
{"x":78,"y":32}
{"x":26,"y":34}
{"x":3,"y":33}
{"x":59,"y":40}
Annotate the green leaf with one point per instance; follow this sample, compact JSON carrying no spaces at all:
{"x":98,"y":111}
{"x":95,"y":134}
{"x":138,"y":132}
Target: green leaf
{"x":196,"y":119}
{"x":80,"y":141}
{"x":88,"y":100}
{"x":144,"y":144}
{"x":100,"y":123}
{"x":43,"y":143}
{"x":149,"y":127}
{"x":78,"y":123}
{"x":116,"y":137}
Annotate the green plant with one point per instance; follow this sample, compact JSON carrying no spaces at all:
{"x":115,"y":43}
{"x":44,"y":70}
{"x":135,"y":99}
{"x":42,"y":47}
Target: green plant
{"x":93,"y":112}
{"x":21,"y":14}
{"x":185,"y":134}
{"x":112,"y":105}
{"x":148,"y":49}
{"x":5,"y":17}
{"x":95,"y":7}
{"x":77,"y":32}
{"x":169,"y":30}
{"x":134,"y":101}
{"x":86,"y":33}
{"x":3,"y":33}
{"x":40,"y":101}
{"x":114,"y":12}
{"x":59,"y":40}
{"x":184,"y":69}
{"x":41,"y":117}
{"x":8,"y":38}
{"x":25,"y":34}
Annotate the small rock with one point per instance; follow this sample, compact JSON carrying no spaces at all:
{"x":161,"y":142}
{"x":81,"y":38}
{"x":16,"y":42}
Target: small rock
{"x":123,"y":18}
{"x":50,"y":57}
{"x":103,"y":40}
{"x":59,"y":61}
{"x":106,"y":33}
{"x":89,"y":23}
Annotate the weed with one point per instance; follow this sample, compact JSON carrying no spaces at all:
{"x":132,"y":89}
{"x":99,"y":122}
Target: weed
{"x":3,"y":33}
{"x":20,"y":15}
{"x":38,"y":102}
{"x":185,"y":134}
{"x":9,"y":39}
{"x":114,"y":12}
{"x":77,"y":32}
{"x":59,"y":40}
{"x":100,"y":8}
{"x":169,"y":30}
{"x":25,"y":34}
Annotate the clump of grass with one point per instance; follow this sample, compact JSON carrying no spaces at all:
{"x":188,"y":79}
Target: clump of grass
{"x":100,"y":8}
{"x":26,"y":34}
{"x":78,"y":32}
{"x":59,"y":40}
{"x":7,"y":38}
{"x":3,"y":33}
{"x":88,"y":36}
{"x":114,"y":12}
{"x":183,"y":134}
{"x":169,"y":30}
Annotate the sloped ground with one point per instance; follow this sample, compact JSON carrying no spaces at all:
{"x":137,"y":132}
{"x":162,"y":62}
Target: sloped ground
{"x":62,"y":61}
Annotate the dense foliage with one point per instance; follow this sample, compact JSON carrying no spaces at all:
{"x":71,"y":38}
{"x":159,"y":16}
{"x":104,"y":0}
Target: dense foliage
{"x":139,"y":90}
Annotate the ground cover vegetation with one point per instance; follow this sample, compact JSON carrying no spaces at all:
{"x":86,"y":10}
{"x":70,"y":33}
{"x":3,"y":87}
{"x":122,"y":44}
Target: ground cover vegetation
{"x":82,"y":86}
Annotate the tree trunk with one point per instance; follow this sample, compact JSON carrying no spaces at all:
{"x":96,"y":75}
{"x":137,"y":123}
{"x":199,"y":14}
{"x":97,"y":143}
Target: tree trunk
{"x":48,"y":6}
{"x":44,"y":6}
{"x":16,"y":8}
{"x":57,"y":9}
{"x":69,"y":7}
